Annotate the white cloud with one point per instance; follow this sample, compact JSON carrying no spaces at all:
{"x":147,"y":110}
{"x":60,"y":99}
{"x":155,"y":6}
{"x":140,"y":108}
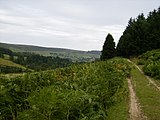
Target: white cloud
{"x":51,"y":26}
{"x":70,"y":24}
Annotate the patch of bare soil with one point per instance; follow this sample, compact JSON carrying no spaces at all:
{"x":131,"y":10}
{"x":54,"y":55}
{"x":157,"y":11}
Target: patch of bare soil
{"x":134,"y":110}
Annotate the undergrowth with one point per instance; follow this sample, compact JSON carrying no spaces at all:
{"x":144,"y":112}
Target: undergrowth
{"x":79,"y":92}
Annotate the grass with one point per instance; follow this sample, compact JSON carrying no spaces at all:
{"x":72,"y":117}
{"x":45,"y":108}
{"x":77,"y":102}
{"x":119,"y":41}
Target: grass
{"x":4,"y":62}
{"x":6,"y":56}
{"x":157,"y":82}
{"x":120,"y":110}
{"x":148,"y":95}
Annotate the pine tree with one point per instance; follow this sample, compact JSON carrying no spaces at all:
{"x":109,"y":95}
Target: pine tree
{"x":108,"y":50}
{"x":141,"y":34}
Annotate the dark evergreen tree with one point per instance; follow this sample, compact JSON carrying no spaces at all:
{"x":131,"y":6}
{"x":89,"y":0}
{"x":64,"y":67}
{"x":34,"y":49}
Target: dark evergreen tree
{"x":38,"y":62}
{"x":108,"y":50}
{"x":5,"y":51}
{"x":141,"y":34}
{"x":154,"y":29}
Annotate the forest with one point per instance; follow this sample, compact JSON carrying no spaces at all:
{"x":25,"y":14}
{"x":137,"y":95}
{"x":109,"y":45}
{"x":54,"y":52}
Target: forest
{"x":31,"y":61}
{"x":141,"y":34}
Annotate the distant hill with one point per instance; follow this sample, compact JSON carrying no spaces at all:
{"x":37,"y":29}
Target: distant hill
{"x":74,"y":55}
{"x":30,"y":61}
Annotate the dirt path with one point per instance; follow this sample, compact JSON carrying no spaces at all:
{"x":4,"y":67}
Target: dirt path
{"x":149,"y":79}
{"x":134,"y":110}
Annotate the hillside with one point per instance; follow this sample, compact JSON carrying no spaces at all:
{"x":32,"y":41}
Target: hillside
{"x":4,"y":62}
{"x":34,"y":61}
{"x":97,"y":90}
{"x":74,"y":55}
{"x":113,"y":88}
{"x":85,"y":91}
{"x":7,"y":66}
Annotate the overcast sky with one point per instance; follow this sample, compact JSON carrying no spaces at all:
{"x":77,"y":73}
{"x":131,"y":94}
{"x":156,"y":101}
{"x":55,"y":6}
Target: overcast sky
{"x":74,"y":24}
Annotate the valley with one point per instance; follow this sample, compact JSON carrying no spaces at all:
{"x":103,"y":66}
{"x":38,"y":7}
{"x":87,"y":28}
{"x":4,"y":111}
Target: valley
{"x":121,"y":82}
{"x":74,"y":55}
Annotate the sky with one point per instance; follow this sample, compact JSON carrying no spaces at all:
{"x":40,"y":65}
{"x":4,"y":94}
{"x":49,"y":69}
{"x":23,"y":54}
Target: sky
{"x":72,"y":24}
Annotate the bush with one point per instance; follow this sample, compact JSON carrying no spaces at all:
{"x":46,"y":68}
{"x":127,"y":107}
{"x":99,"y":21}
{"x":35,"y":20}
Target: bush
{"x":151,"y":63}
{"x":78,"y":92}
{"x":141,"y":62}
{"x":11,"y":69}
{"x":152,"y":69}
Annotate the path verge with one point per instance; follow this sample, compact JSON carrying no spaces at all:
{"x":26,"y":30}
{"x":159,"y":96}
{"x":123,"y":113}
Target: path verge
{"x":134,"y":110}
{"x":148,"y":78}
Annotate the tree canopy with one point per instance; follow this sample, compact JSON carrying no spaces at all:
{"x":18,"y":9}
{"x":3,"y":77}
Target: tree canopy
{"x":141,"y":34}
{"x":32,"y":61}
{"x":108,"y":50}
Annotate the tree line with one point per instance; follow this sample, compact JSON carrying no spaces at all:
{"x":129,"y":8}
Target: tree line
{"x":35,"y":61}
{"x":141,"y":34}
{"x":38,"y":62}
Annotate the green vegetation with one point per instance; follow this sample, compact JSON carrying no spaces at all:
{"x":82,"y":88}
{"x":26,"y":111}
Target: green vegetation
{"x":74,"y":55}
{"x":7,"y":66}
{"x":31,"y":61}
{"x":5,"y":51}
{"x":4,"y":62}
{"x":90,"y":91}
{"x":147,"y":93}
{"x":119,"y":111}
{"x":148,"y":96}
{"x":38,"y":62}
{"x":78,"y":92}
{"x":109,"y":50}
{"x":141,"y":34}
{"x":151,"y":62}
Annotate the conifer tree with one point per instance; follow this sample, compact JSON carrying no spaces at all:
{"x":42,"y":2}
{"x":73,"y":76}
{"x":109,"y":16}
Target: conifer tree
{"x":108,"y":50}
{"x":141,"y":34}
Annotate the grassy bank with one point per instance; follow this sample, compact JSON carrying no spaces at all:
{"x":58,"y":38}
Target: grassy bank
{"x":148,"y":95}
{"x":120,"y":110}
